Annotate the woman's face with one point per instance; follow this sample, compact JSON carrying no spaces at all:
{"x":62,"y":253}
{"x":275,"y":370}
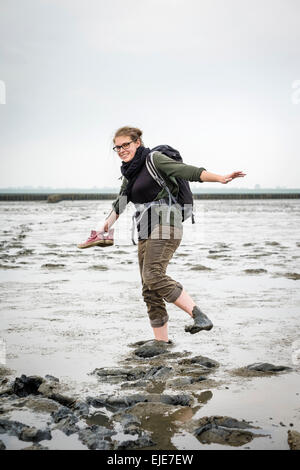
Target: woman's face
{"x":126,"y":154}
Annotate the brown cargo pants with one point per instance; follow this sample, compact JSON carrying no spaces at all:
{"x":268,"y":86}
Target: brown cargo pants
{"x":154,"y":255}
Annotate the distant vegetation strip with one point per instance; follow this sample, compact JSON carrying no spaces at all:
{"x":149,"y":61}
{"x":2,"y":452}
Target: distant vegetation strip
{"x":50,"y":197}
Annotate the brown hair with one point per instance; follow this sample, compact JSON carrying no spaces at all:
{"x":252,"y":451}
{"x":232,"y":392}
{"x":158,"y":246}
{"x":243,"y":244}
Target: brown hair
{"x":133,"y":132}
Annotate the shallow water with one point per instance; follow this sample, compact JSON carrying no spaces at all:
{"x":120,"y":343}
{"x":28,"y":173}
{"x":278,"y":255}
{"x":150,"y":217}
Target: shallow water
{"x":66,"y":311}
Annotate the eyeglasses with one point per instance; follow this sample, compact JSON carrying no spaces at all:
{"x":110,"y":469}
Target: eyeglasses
{"x":124,"y":146}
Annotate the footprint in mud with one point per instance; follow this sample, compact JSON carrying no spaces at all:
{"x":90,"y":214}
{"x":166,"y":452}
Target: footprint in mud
{"x":99,"y":267}
{"x":5,"y":266}
{"x":25,"y":252}
{"x":259,"y":369}
{"x":217,"y":256}
{"x":224,"y":246}
{"x":259,"y":254}
{"x":255,"y":271}
{"x":272,"y":243}
{"x":6,"y":257}
{"x":200,"y":267}
{"x":53,"y":266}
{"x":293,"y":276}
{"x":15,"y":245}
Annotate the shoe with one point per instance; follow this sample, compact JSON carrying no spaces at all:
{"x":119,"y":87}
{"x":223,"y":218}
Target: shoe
{"x":201,"y":322}
{"x":98,"y":239}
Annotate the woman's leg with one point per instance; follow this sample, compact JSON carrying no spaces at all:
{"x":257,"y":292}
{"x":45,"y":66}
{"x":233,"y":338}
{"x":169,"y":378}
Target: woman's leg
{"x":156,"y":308}
{"x":185,"y":302}
{"x":161,"y":333}
{"x":157,"y":256}
{"x":154,"y":256}
{"x":201,"y":321}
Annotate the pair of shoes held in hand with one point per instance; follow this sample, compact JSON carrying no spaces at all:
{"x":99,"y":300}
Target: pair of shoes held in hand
{"x":98,"y":239}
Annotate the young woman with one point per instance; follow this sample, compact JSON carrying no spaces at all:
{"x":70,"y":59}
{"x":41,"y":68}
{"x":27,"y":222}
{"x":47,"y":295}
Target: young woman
{"x":159,"y":231}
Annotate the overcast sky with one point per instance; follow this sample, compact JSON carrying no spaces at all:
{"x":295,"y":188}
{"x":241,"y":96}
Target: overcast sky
{"x":213,"y":78}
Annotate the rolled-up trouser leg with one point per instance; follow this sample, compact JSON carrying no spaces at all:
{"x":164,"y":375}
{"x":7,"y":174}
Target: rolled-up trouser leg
{"x":154,"y":256}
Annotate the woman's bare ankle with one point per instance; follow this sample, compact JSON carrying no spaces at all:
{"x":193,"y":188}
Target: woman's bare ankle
{"x":185,"y":302}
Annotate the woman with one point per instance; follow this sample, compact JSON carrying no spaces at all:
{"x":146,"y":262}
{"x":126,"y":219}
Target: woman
{"x":159,"y":231}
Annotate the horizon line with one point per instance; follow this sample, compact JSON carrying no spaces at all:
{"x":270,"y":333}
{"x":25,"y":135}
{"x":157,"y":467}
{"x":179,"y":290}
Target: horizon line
{"x":115,"y":190}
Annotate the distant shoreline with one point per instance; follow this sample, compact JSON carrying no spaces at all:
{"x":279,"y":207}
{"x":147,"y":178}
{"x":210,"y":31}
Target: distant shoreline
{"x":56,"y":197}
{"x":209,"y":189}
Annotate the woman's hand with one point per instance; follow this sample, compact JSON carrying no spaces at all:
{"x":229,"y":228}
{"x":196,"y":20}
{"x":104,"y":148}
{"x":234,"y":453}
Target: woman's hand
{"x":232,"y":176}
{"x":107,"y":224}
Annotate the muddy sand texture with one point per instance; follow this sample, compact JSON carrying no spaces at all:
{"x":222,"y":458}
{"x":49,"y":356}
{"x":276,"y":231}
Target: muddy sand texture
{"x":169,"y":386}
{"x":259,"y":369}
{"x":225,"y":430}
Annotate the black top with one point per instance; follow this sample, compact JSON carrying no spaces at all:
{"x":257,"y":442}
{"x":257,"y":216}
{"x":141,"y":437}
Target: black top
{"x":145,"y":188}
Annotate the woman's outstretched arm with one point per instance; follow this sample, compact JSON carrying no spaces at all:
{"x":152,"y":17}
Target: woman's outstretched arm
{"x":208,"y":177}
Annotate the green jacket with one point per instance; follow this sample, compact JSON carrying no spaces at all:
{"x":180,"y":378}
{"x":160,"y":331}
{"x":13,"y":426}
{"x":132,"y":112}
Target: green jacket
{"x":169,"y":169}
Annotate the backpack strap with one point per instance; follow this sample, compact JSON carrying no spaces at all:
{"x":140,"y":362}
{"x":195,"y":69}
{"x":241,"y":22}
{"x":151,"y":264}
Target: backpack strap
{"x":157,"y":177}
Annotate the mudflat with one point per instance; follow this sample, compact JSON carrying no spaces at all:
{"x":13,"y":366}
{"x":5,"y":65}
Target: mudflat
{"x":79,"y":368}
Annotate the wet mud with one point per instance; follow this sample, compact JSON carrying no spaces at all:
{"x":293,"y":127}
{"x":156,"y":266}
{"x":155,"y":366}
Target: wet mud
{"x":79,"y":374}
{"x":167,"y":394}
